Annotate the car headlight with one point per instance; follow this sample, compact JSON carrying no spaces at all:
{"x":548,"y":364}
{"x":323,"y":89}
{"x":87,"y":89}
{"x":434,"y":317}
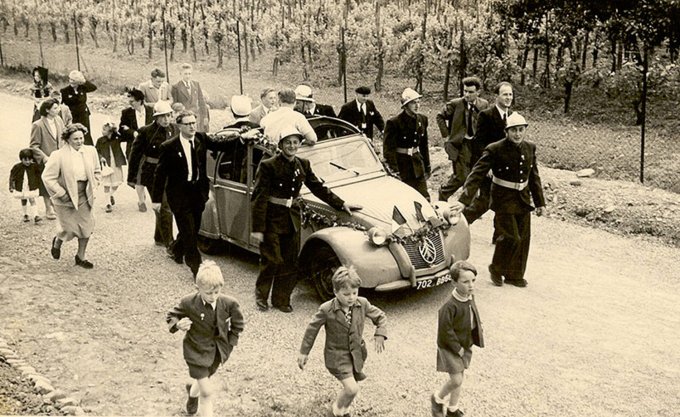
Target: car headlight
{"x":377,"y":236}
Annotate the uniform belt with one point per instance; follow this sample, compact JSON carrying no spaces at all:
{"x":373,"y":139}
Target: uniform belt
{"x":407,"y":151}
{"x":288,"y":202}
{"x":151,"y":160}
{"x":519,"y":186}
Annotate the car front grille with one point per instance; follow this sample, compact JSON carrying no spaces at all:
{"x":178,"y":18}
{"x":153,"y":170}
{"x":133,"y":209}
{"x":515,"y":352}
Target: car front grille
{"x":412,"y":248}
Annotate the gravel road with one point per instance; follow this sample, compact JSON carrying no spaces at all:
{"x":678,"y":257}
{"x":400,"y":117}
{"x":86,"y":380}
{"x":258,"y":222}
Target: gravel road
{"x":596,"y":333}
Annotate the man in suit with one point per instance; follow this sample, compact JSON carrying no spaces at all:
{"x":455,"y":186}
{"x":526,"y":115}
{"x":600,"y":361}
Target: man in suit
{"x":182,"y":176}
{"x":306,"y":104}
{"x":456,"y":123}
{"x":144,"y":157}
{"x":156,"y":88}
{"x":189,"y":93}
{"x":406,"y":149}
{"x":515,"y":183}
{"x":362,"y":113}
{"x":75,"y":97}
{"x":269,"y":100}
{"x":490,"y":129}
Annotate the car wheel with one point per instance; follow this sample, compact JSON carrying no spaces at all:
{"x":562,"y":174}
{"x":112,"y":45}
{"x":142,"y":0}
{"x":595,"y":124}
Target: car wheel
{"x":324,"y":263}
{"x":211,"y":246}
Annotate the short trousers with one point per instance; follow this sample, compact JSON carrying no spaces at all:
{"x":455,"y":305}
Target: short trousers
{"x":342,"y":374}
{"x":200,"y":372}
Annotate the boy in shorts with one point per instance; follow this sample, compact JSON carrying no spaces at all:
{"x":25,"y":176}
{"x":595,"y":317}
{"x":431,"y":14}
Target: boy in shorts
{"x":345,"y":351}
{"x":212,"y":322}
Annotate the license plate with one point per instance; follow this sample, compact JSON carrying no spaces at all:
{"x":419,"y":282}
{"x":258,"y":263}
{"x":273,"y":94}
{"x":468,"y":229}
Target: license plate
{"x":433,"y":282}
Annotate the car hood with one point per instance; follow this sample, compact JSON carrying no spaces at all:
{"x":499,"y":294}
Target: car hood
{"x":379,"y":197}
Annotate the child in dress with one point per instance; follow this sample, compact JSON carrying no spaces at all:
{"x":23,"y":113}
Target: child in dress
{"x":345,"y":351}
{"x":112,"y":160}
{"x":459,"y":328}
{"x":212,"y":322}
{"x":24,"y":184}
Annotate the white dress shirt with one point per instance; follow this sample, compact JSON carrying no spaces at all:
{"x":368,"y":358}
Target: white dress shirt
{"x":186,"y":145}
{"x":78,"y":165}
{"x":140,"y":115}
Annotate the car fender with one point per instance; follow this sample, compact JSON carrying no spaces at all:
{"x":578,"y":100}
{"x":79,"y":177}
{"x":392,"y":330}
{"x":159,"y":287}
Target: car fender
{"x":375,"y":264}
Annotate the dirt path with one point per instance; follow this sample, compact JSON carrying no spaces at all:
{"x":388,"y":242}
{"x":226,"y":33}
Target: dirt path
{"x":594,"y":334}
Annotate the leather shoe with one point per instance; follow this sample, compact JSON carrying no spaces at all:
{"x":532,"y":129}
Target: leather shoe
{"x":456,"y":413}
{"x":262,"y":305}
{"x":177,"y":258}
{"x":521,"y":283}
{"x":192,"y":402}
{"x":284,"y":309}
{"x":496,"y":278}
{"x":84,"y":263}
{"x":56,"y":252}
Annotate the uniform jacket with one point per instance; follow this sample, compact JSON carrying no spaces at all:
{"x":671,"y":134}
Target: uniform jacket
{"x":172,"y":172}
{"x":77,"y":101}
{"x":490,"y":129}
{"x":452,"y":122}
{"x":343,"y":338}
{"x":350,"y":113}
{"x":209,"y":330}
{"x":194,"y":101}
{"x":16,"y":177}
{"x":257,"y":114}
{"x":404,"y":131}
{"x":509,"y":162}
{"x":106,"y":146}
{"x":454,"y":326}
{"x":59,"y":179}
{"x":281,"y":178}
{"x":147,"y":145}
{"x":128,"y":126}
{"x":43,"y":142}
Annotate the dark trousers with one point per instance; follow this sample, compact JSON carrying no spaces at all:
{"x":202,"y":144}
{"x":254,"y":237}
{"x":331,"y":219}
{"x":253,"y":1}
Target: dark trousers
{"x":163,"y":233}
{"x":512,"y":245}
{"x":188,"y":222}
{"x":419,"y":184}
{"x":461,"y":169}
{"x":480,"y":204}
{"x":278,"y":268}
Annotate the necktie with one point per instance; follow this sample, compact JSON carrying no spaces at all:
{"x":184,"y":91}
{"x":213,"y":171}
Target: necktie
{"x":470,"y":132}
{"x":505,"y":118}
{"x":348,"y":316}
{"x":194,"y":162}
{"x":188,"y":85}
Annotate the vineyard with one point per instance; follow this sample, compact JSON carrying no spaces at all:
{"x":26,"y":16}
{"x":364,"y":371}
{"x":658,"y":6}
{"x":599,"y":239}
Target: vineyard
{"x":581,"y":58}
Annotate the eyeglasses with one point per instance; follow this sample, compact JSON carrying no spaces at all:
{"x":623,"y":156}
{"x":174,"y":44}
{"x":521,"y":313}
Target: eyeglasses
{"x":189,"y":124}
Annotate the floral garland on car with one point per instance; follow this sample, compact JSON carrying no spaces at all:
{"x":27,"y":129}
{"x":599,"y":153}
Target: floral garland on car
{"x":311,"y":217}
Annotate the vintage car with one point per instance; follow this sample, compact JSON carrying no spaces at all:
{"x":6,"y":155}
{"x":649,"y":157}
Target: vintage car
{"x":397,"y":240}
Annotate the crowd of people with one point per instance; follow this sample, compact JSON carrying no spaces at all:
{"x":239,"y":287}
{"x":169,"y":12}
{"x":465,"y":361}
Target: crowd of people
{"x":164,"y":130}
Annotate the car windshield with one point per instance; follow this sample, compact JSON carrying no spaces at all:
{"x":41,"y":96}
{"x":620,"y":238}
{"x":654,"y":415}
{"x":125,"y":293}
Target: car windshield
{"x":342,"y":160}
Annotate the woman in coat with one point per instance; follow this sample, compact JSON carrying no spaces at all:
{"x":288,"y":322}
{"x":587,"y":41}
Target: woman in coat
{"x":71,"y":175}
{"x":45,"y":139}
{"x":75,"y":97}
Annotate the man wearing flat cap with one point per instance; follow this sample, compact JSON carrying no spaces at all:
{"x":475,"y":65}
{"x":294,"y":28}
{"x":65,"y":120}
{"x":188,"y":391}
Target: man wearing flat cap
{"x":406,"y":148}
{"x":361,"y":112}
{"x":306,"y":104}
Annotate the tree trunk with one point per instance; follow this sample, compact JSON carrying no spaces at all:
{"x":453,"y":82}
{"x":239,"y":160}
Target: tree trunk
{"x":380,"y":56}
{"x":619,"y":56}
{"x":584,"y":51}
{"x":93,"y":31}
{"x":462,"y":68}
{"x":534,"y":68}
{"x":613,"y":43}
{"x":150,"y":34}
{"x":53,"y":30}
{"x":568,"y":86}
{"x":206,"y":33}
{"x":245,"y":48}
{"x":545,"y":77}
{"x":523,"y":67}
{"x":184,"y":38}
{"x":559,"y":59}
{"x":67,"y":36}
{"x":447,"y":80}
{"x":421,"y":58}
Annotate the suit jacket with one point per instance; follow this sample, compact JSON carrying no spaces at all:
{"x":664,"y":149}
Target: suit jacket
{"x":210,"y":330}
{"x":194,"y":102}
{"x":278,"y":177}
{"x":338,"y":354}
{"x":490,"y":129}
{"x":324,"y":110}
{"x":452,"y":122}
{"x":350,"y":113}
{"x":43,"y":142}
{"x":172,"y":172}
{"x":59,"y":179}
{"x":509,"y":162}
{"x":257,"y":114}
{"x":404,"y":131}
{"x":454,"y":329}
{"x":128,"y":126}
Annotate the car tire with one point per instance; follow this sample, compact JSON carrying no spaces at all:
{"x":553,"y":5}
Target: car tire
{"x":211,"y":246}
{"x":324,"y":263}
